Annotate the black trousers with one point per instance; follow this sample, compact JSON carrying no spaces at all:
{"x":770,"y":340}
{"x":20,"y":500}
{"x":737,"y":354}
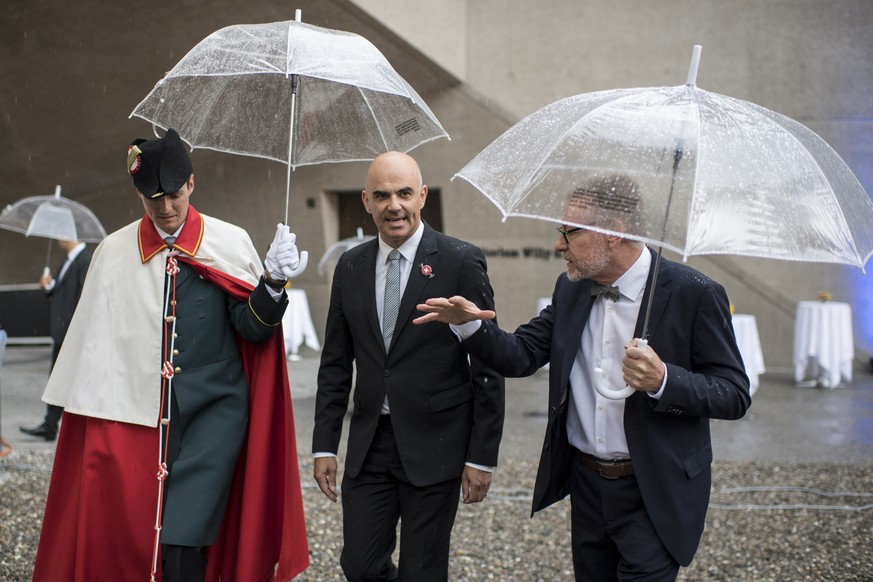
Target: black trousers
{"x":612,"y":536}
{"x":53,"y":413}
{"x":380,"y":496}
{"x":183,"y":564}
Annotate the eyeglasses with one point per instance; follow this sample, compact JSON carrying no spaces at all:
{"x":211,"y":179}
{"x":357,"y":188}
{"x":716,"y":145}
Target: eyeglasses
{"x":566,"y":232}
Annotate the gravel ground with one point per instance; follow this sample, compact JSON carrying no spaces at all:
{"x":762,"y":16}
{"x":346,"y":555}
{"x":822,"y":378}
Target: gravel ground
{"x":780,"y":522}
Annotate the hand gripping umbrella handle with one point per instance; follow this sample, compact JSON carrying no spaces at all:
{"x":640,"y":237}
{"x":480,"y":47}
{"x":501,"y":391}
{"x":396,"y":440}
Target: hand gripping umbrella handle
{"x":602,"y":386}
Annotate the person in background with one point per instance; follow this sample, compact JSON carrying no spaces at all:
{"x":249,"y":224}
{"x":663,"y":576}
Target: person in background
{"x":176,"y":458}
{"x":638,"y":470}
{"x":63,"y":294}
{"x":427,"y":421}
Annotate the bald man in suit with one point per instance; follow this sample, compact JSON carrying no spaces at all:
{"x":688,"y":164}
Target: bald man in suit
{"x":427,"y":421}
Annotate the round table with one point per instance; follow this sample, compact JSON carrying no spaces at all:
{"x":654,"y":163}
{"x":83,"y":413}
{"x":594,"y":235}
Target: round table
{"x":746,"y":332}
{"x":823,"y":342}
{"x":297,"y":324}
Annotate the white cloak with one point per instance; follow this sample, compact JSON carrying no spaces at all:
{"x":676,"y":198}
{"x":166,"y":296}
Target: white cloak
{"x":109,"y":363}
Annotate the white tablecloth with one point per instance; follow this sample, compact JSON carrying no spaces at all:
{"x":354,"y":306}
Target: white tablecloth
{"x":823,"y":342}
{"x":746,"y":330}
{"x":297,"y":324}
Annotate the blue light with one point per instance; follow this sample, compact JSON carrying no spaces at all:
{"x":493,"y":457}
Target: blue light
{"x":861,"y":287}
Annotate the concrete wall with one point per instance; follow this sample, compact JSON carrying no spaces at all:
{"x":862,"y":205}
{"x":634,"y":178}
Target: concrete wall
{"x":71,"y":73}
{"x":438,"y":28}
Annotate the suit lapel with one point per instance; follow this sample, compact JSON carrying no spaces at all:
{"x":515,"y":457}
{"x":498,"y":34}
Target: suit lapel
{"x":662,"y":294}
{"x":577,"y":318}
{"x":367,"y":281}
{"x":70,"y":269}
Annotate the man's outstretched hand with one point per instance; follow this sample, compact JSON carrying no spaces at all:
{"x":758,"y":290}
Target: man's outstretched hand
{"x":455,"y":310}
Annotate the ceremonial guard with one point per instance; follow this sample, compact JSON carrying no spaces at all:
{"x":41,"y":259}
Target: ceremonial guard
{"x":177,"y":453}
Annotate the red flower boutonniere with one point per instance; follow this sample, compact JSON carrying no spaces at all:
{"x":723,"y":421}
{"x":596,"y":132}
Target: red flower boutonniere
{"x":427,"y":271}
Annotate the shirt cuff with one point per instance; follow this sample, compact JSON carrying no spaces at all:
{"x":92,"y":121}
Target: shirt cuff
{"x":319,"y":455}
{"x":465,"y":330}
{"x":480,"y":467}
{"x":657,"y":395}
{"x":277,"y":295}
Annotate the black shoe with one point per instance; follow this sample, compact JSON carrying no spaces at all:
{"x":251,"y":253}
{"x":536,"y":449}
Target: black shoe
{"x":42,"y":430}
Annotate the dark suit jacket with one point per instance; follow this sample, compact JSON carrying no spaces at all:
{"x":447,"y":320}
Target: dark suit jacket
{"x":445,"y":410}
{"x":64,"y":296}
{"x":668,"y":439}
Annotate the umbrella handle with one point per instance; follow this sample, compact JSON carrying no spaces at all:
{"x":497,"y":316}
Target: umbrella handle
{"x":598,"y":379}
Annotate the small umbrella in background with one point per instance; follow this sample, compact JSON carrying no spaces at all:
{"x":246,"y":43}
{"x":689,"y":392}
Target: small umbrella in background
{"x":237,"y":92}
{"x":332,"y":254}
{"x":716,"y":175}
{"x":53,"y":217}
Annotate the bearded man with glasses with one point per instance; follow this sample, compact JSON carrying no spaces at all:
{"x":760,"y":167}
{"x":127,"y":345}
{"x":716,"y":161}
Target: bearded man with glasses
{"x":637,"y":470}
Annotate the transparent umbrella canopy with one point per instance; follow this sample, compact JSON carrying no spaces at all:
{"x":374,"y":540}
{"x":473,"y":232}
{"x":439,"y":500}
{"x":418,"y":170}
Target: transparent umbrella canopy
{"x":291,"y":92}
{"x":53,"y":217}
{"x":716,"y":175}
{"x":712,"y":175}
{"x":332,"y":254}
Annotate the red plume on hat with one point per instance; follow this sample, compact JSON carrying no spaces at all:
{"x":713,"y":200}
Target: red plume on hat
{"x":159,"y":166}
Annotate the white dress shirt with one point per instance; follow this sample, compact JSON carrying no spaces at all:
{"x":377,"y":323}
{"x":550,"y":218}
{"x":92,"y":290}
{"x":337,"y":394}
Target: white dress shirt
{"x":595,"y":425}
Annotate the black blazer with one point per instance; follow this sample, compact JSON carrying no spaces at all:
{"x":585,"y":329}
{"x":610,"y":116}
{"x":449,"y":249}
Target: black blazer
{"x":64,"y":296}
{"x":668,"y":439}
{"x":445,"y":409}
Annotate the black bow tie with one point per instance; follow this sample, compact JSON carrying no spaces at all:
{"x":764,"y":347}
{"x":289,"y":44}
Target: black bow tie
{"x":605,"y":290}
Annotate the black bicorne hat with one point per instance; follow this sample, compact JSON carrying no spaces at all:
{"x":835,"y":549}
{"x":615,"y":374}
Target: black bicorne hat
{"x":159,"y":166}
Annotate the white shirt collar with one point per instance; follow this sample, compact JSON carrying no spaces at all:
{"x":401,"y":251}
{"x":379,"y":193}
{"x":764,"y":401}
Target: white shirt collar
{"x":407,"y":249}
{"x":165,"y":234}
{"x":633,"y":281}
{"x":74,"y":252}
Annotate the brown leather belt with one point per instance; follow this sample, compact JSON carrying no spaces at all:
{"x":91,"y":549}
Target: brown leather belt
{"x":606,"y":469}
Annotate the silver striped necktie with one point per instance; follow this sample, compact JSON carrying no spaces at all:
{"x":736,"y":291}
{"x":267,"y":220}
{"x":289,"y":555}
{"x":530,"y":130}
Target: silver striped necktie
{"x":391,"y":304}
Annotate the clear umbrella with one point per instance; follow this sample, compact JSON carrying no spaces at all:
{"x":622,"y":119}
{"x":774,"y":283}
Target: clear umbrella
{"x":714,"y":175}
{"x":237,"y":91}
{"x":332,"y":254}
{"x":53,"y":217}
{"x":717,"y":175}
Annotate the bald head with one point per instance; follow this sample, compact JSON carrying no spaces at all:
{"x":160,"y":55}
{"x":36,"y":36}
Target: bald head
{"x":394,"y":195}
{"x":393,"y":162}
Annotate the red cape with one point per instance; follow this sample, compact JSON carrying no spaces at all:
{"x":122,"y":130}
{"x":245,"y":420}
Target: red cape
{"x":100,"y":513}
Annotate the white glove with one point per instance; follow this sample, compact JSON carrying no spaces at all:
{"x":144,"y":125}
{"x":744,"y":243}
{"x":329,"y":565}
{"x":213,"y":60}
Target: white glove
{"x":283,"y":261}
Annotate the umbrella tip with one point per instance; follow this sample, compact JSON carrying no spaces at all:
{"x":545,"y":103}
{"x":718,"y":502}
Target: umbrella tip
{"x":58,"y":191}
{"x":695,"y":62}
{"x":298,"y":14}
